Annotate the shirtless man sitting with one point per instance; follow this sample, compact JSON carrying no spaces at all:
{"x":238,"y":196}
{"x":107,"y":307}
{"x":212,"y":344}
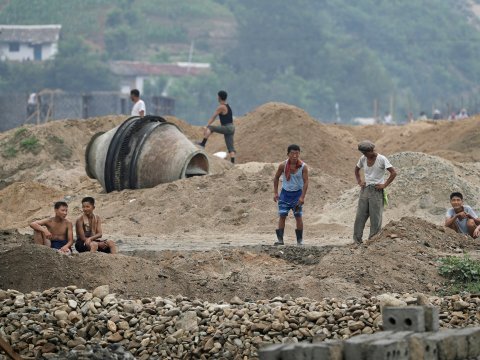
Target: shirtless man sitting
{"x":55,"y":232}
{"x":89,"y":230}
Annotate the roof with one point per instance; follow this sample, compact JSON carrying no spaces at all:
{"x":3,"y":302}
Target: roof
{"x":139,"y":68}
{"x":33,"y":34}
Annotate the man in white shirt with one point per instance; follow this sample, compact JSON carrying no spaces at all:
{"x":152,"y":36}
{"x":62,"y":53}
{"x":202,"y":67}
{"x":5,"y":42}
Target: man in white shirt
{"x":462,"y":218}
{"x":138,"y":108}
{"x":370,"y":202}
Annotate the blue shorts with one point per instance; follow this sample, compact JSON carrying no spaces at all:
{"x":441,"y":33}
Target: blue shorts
{"x":58,"y":244}
{"x":287,"y":201}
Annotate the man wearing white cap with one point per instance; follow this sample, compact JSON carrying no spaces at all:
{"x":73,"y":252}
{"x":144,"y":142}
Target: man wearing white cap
{"x":370,"y":202}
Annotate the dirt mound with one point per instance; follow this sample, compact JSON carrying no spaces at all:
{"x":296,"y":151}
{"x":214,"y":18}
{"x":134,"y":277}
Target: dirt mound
{"x":452,"y":140}
{"x":402,"y":258}
{"x":43,"y":268}
{"x":265,"y":133}
{"x":21,"y":201}
{"x":421,"y":188}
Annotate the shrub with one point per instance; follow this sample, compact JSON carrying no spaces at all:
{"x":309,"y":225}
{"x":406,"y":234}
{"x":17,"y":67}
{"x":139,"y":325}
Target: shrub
{"x":464,"y":273}
{"x":10,"y":152}
{"x":30,"y":144}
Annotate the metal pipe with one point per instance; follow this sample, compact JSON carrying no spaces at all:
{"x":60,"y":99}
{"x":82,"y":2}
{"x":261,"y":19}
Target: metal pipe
{"x":143,"y":152}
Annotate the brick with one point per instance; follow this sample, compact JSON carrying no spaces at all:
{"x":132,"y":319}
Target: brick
{"x":473,"y":340}
{"x":410,"y":318}
{"x":355,"y":348}
{"x":388,"y":349}
{"x":421,"y":347}
{"x":432,"y":321}
{"x":332,"y":350}
{"x":270,"y":352}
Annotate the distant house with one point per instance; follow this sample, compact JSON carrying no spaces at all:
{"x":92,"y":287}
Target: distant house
{"x":28,"y":42}
{"x":134,"y":73}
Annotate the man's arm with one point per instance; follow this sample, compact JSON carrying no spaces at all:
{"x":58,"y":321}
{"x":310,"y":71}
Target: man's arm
{"x":392,"y":176}
{"x":98,"y":234}
{"x":79,"y":229}
{"x":68,"y":245}
{"x":472,"y":215}
{"x":301,"y":201}
{"x":276,"y":180}
{"x":42,"y":226}
{"x":449,"y":221}
{"x":220,"y":110}
{"x":359,"y":179}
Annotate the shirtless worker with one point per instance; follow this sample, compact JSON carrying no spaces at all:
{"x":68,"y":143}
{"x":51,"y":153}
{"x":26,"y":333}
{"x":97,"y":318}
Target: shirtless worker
{"x":294,"y":174}
{"x":89,"y":231}
{"x":55,"y":232}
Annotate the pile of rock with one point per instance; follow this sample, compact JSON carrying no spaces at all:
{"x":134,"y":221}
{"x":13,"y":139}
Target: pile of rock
{"x":71,"y":319}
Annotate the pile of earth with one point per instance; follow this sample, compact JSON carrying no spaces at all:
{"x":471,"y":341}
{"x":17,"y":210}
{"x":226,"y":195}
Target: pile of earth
{"x":422,"y":188}
{"x":402,"y":258}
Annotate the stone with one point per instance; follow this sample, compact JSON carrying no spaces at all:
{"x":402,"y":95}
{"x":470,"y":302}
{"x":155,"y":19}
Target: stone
{"x":101,"y":291}
{"x":72,"y":304}
{"x":236,"y":301}
{"x":61,"y":315}
{"x":114,"y":338}
{"x":188,"y":321}
{"x":111,"y":326}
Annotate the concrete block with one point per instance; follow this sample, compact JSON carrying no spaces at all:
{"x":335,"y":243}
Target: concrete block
{"x":355,"y":348}
{"x":473,"y":340}
{"x":410,"y":318}
{"x":421,"y":347}
{"x":299,"y":351}
{"x":327,"y":351}
{"x":270,"y":352}
{"x":390,"y":349}
{"x":450,"y":346}
{"x":432,"y":321}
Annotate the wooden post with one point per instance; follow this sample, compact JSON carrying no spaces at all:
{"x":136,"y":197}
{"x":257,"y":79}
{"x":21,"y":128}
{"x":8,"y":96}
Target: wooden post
{"x":5,"y":346}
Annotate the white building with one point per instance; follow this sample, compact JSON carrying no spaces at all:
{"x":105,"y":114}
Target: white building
{"x":28,"y":42}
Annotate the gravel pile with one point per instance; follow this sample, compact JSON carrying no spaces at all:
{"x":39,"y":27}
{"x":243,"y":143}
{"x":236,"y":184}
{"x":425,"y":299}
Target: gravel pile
{"x":74,"y":321}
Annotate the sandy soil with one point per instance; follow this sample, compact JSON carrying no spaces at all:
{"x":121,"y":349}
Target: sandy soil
{"x":210,"y":237}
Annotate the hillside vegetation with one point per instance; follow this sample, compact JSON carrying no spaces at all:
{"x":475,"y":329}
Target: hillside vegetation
{"x":409,"y":56}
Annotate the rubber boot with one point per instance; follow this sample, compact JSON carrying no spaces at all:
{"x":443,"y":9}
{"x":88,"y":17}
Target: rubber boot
{"x":279,"y":236}
{"x":299,"y":234}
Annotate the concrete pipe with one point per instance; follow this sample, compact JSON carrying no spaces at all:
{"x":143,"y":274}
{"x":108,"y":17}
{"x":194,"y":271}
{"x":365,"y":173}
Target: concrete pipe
{"x":142,"y":153}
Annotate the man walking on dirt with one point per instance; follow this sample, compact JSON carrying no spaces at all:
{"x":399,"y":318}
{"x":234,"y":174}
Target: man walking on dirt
{"x":371,"y":200}
{"x":294,"y":174}
{"x":138,"y":108}
{"x":462,"y":218}
{"x":224,"y":112}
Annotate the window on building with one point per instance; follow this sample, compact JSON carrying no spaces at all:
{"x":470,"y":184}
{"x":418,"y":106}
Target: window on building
{"x":14,"y":46}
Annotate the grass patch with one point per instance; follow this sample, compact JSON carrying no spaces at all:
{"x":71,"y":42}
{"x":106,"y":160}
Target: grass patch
{"x":464,"y":274}
{"x":21,"y":132}
{"x":10,"y":152}
{"x":30,"y":144}
{"x":60,"y":150}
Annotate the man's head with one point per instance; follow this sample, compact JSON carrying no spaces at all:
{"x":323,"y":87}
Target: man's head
{"x":88,"y":205}
{"x":456,"y":199}
{"x":367,"y":148}
{"x":222,"y":95}
{"x":61,"y":209}
{"x":293,"y":152}
{"x":134,"y":95}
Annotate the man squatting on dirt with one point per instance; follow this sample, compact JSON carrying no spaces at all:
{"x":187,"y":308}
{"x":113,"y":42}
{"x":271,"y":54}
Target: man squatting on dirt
{"x":55,"y":232}
{"x":294,"y":188}
{"x":462,"y":218}
{"x":370,"y":202}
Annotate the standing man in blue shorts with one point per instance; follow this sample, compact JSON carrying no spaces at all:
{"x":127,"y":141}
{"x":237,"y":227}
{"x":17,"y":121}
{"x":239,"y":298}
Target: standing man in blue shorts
{"x":294,"y":174}
{"x":224,"y":112}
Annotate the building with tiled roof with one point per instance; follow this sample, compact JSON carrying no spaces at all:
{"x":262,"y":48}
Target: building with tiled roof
{"x":29,"y":42}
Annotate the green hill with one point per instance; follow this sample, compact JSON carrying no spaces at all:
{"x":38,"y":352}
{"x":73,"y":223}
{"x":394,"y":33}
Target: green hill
{"x":408,"y":56}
